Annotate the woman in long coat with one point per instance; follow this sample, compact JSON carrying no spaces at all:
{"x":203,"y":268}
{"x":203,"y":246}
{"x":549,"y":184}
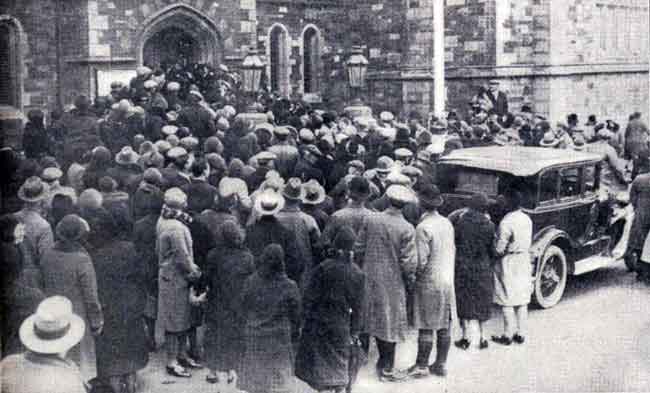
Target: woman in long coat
{"x":335,"y":287}
{"x":176,"y":272}
{"x":270,"y":307}
{"x":473,"y":278}
{"x":68,"y":271}
{"x":122,"y":347}
{"x":228,"y":266}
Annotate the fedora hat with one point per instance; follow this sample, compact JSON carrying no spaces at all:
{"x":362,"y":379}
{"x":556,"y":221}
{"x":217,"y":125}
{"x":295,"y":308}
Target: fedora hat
{"x":314,"y":193}
{"x":33,"y":190}
{"x":53,"y":328}
{"x":359,"y":187}
{"x":294,"y":190}
{"x":126,"y":156}
{"x":549,"y":140}
{"x":268,"y":203}
{"x":430,"y":196}
{"x":72,"y":228}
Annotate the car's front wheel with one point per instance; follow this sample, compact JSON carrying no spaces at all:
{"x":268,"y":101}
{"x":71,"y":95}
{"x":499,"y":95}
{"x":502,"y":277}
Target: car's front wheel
{"x":551,"y":277}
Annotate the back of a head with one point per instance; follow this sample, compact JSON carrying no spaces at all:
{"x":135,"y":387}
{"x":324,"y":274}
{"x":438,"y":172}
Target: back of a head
{"x":233,"y":234}
{"x":272,"y":261}
{"x":236,"y":168}
{"x":199,"y":167}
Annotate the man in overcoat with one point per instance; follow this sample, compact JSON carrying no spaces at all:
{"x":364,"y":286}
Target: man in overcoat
{"x":387,"y":254}
{"x":434,"y":301}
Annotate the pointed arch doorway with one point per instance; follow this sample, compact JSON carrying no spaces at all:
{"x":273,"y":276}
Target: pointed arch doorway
{"x":179,"y":33}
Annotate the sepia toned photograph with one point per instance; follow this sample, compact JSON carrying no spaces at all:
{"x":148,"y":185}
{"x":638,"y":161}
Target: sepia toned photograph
{"x":324,"y":196}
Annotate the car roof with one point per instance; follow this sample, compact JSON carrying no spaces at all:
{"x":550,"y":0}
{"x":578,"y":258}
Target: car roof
{"x":516,"y":160}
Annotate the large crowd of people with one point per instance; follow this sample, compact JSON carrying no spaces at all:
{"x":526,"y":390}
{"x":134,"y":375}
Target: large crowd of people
{"x":131,"y":221}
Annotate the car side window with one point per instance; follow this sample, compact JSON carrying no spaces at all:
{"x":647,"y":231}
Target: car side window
{"x":570,"y":183}
{"x":591,"y":178}
{"x":548,"y":186}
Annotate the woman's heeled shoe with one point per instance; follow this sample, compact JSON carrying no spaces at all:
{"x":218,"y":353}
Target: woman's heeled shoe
{"x":483,"y":344}
{"x":503,"y":340}
{"x":178,"y":371}
{"x":519,"y":339}
{"x":463,"y":344}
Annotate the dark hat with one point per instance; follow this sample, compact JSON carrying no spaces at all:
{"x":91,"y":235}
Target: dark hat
{"x":526,"y":108}
{"x":107,"y":184}
{"x":359,"y":187}
{"x":591,"y":120}
{"x":72,"y":228}
{"x":293,"y":190}
{"x":479,"y":201}
{"x":430,"y":196}
{"x":344,"y":238}
{"x":33,"y":190}
{"x":572,"y":118}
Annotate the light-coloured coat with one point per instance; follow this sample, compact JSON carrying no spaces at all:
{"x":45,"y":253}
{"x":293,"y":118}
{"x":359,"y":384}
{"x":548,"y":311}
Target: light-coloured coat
{"x":386,"y":246}
{"x":176,"y":263}
{"x":34,"y":373}
{"x":434,"y":301}
{"x":513,"y":282}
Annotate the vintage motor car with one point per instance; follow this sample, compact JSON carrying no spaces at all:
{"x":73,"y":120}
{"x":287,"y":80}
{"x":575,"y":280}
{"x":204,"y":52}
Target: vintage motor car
{"x":577,"y":226}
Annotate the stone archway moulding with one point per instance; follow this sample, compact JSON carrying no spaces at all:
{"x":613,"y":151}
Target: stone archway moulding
{"x":18,"y":43}
{"x":286,"y":88}
{"x":319,"y":37}
{"x":170,"y":16}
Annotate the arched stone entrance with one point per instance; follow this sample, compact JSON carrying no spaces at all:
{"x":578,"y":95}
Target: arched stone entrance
{"x":179,"y":33}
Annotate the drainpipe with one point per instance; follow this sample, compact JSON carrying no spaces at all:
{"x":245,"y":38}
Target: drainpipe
{"x":59,"y":54}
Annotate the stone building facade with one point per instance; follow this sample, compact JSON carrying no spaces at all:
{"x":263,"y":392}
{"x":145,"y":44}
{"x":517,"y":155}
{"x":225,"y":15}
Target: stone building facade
{"x":586,"y":56}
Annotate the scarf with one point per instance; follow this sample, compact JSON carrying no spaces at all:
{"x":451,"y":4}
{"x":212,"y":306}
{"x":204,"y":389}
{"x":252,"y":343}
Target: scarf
{"x":170,"y":213}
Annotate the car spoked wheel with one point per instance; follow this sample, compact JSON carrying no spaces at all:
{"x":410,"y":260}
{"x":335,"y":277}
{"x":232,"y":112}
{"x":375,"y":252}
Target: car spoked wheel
{"x":550,"y":281}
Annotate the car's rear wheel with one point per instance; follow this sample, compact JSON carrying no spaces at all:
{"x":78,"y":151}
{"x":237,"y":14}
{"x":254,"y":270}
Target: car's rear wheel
{"x":551,"y":277}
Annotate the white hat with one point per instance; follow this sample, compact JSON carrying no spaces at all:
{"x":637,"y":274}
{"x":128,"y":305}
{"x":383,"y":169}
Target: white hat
{"x":400,"y":193}
{"x":142,"y":71}
{"x":386,"y":116}
{"x":397,"y":178}
{"x":176,"y":152}
{"x":268,"y":203}
{"x":53,"y":328}
{"x":173,"y":86}
{"x":169,"y":129}
{"x":51,"y":174}
{"x":197,"y":94}
{"x":150,"y":84}
{"x":175,"y":197}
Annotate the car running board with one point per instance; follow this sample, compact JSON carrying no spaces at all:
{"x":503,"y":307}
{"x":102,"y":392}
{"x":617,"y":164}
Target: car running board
{"x":593,"y":263}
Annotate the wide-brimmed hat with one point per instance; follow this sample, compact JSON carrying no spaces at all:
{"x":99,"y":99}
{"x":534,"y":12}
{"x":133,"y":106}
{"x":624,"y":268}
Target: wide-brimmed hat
{"x":53,"y":328}
{"x":359,"y":187}
{"x":430,"y":196}
{"x":265,"y":156}
{"x":126,"y":156}
{"x":386,"y":116}
{"x":173,"y":86}
{"x":51,"y":174}
{"x":268,"y":203}
{"x":293,"y":190}
{"x":549,"y":140}
{"x":314,"y":193}
{"x":33,"y":190}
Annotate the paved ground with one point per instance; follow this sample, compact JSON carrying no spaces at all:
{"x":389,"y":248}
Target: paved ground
{"x":596,"y":340}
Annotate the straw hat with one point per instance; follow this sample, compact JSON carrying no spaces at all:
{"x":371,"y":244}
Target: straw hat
{"x":268,"y":203}
{"x":33,"y":190}
{"x":314,"y":193}
{"x":53,"y":328}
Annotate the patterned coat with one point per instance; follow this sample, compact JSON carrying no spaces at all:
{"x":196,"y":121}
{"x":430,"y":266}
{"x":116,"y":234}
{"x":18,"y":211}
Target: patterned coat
{"x":307,"y":236}
{"x":271,"y":311}
{"x":176,"y":262}
{"x":387,"y":253}
{"x":434,"y":301}
{"x":68,"y":271}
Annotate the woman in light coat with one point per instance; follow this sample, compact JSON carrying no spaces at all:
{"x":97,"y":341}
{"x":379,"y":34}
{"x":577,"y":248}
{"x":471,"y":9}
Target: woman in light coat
{"x":176,"y":272}
{"x":513,"y":282}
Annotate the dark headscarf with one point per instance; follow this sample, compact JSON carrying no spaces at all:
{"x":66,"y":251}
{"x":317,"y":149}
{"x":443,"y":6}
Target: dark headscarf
{"x":271,"y":262}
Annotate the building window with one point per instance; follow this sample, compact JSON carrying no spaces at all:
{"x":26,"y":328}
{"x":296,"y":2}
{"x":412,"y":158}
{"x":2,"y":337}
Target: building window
{"x":311,"y":60}
{"x":9,"y":63}
{"x":279,"y":59}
